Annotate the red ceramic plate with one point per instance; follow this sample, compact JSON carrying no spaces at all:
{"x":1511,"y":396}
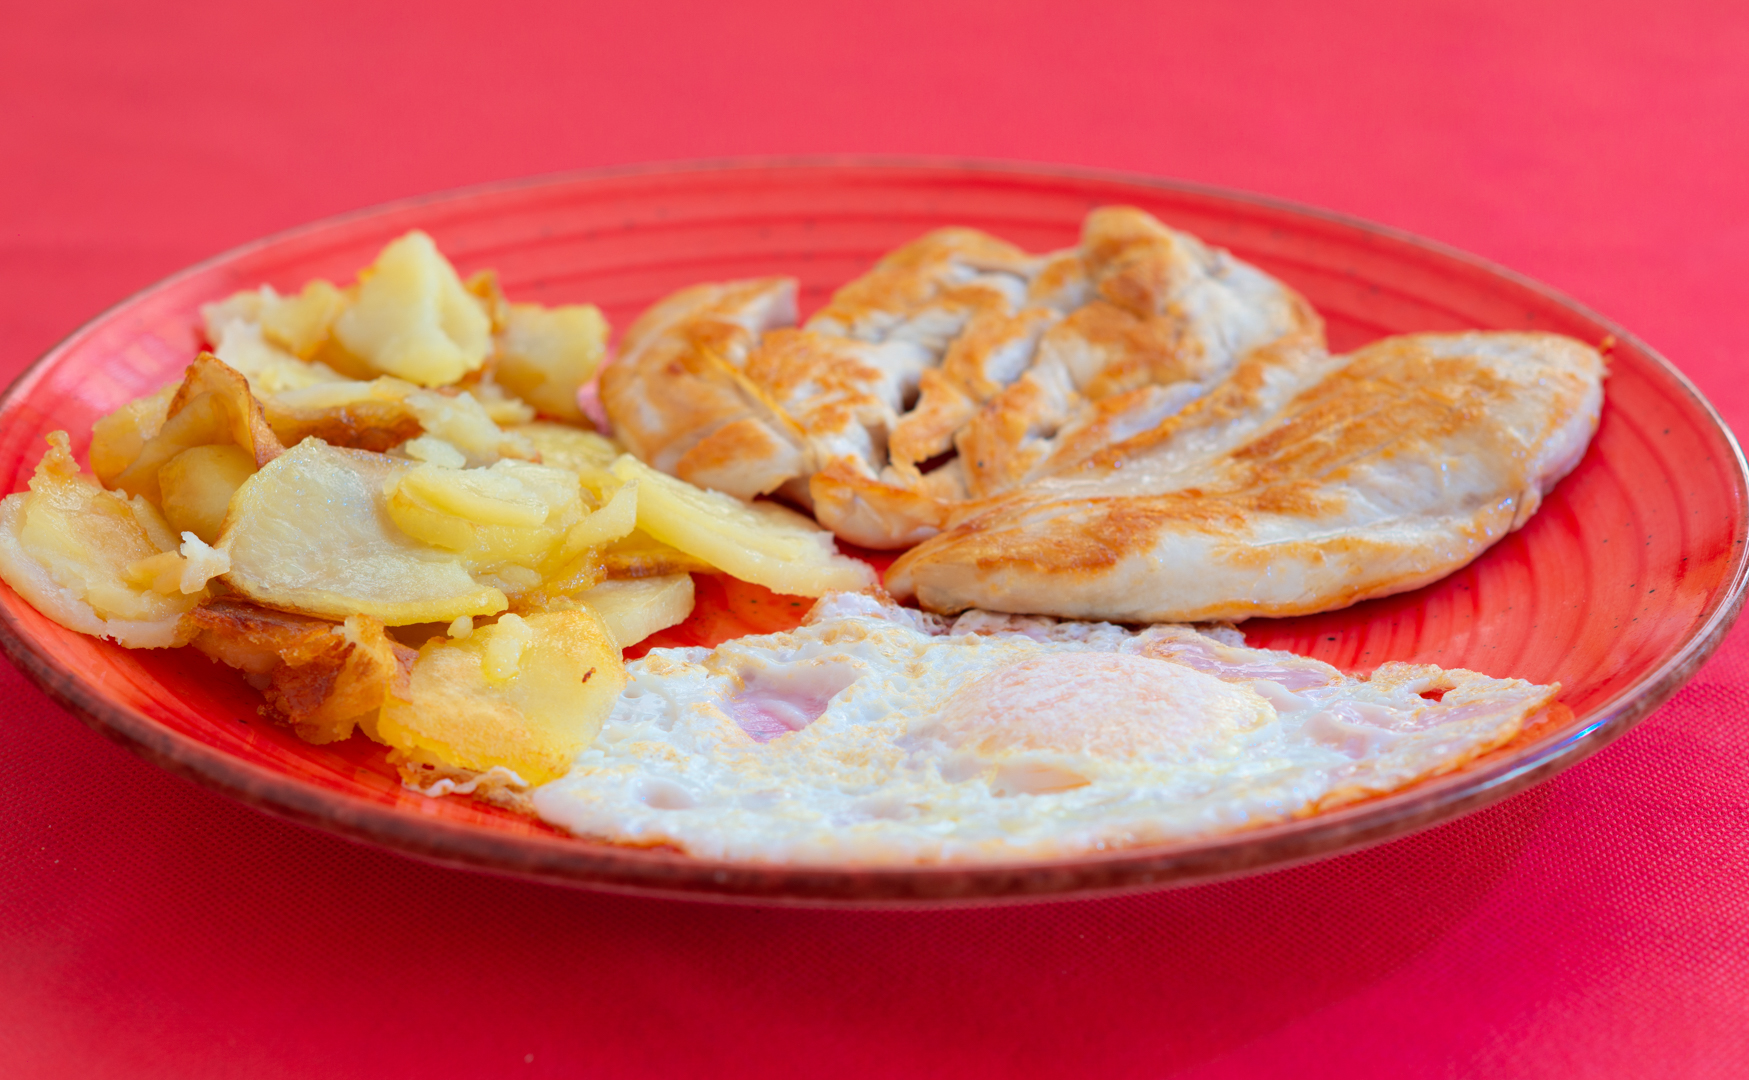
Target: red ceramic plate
{"x":1618,"y":589}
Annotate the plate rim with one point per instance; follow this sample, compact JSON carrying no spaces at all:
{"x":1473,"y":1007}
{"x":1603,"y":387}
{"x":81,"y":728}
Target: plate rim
{"x":602,"y":867}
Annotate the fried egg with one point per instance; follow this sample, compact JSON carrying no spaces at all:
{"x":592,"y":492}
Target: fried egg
{"x":875,"y":735}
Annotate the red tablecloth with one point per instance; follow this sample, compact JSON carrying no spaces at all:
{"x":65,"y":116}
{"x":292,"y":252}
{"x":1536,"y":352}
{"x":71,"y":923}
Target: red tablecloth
{"x":1595,"y":926}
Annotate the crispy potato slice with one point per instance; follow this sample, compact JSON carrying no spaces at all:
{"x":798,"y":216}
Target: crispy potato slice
{"x":318,"y":676}
{"x":633,"y":610}
{"x":244,"y":306}
{"x":94,"y":561}
{"x":630,"y":555}
{"x":269,"y":368}
{"x":763,"y":543}
{"x":545,"y":354}
{"x":116,"y":439}
{"x":245,"y":424}
{"x":362,"y":415}
{"x":505,"y":409}
{"x":569,"y":447}
{"x":385,"y":412}
{"x":525,"y":695}
{"x":301,"y":324}
{"x":213,"y":406}
{"x":511,"y":512}
{"x":196,"y":487}
{"x":641,"y":556}
{"x":412,"y":317}
{"x":311,"y":533}
{"x":483,"y":286}
{"x":460,"y":420}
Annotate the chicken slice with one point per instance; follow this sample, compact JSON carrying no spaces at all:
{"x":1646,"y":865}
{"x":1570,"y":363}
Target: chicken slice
{"x":678,"y":382}
{"x":926,"y":291}
{"x":1168,"y":318}
{"x":1113,"y":338}
{"x":1303,"y":483}
{"x":958,"y":367}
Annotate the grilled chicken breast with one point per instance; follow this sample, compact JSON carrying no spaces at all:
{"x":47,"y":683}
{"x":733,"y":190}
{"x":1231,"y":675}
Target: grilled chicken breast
{"x":1141,"y":428}
{"x":1303,"y":483}
{"x":957,"y":369}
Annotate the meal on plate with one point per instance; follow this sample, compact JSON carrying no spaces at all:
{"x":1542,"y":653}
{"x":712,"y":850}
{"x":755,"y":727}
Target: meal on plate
{"x":383,"y":503}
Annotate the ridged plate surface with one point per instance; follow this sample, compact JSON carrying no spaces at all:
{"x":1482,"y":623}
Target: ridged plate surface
{"x":1617,"y":589}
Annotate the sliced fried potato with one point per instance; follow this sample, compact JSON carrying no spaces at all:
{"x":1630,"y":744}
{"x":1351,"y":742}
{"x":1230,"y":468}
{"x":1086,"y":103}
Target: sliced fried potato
{"x":633,"y":610}
{"x":301,"y":324}
{"x":370,"y":415}
{"x":461,"y":421}
{"x":94,"y":561}
{"x":385,"y":412}
{"x":196,"y":487}
{"x":759,"y":542}
{"x":239,"y":307}
{"x":270,"y":369}
{"x":310,"y":532}
{"x":483,"y":286}
{"x":505,"y":409}
{"x":545,"y":354}
{"x":295,"y":327}
{"x":521,"y":694}
{"x":318,"y":676}
{"x":570,"y":447}
{"x":512,"y":512}
{"x":213,"y":406}
{"x":116,"y":439}
{"x":413,"y":318}
{"x":640,"y":556}
{"x":608,"y":525}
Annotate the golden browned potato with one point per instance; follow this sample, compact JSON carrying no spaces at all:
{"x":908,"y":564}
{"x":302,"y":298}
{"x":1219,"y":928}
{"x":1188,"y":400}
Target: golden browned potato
{"x":413,"y":318}
{"x":213,"y":406}
{"x":570,"y":447}
{"x":197,"y":486}
{"x":116,"y":439}
{"x":632,"y":554}
{"x":483,"y":286}
{"x":370,"y":415}
{"x":318,"y":676}
{"x":269,"y":368}
{"x":512,"y":512}
{"x":505,"y":409}
{"x":633,"y":610}
{"x":608,"y":525}
{"x":301,"y":324}
{"x":759,"y":542}
{"x":640,"y":556}
{"x":311,"y":532}
{"x":545,"y":354}
{"x":460,"y":420}
{"x":522,"y":694}
{"x":383,"y":413}
{"x":94,"y":561}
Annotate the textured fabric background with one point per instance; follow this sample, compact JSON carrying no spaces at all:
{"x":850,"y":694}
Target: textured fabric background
{"x":1595,"y":926}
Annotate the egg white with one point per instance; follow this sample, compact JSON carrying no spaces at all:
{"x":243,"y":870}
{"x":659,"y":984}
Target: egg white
{"x":1002,"y":739}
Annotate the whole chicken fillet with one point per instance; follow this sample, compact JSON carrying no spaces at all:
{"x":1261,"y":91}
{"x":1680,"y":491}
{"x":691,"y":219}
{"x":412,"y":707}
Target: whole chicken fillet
{"x":1303,"y":483}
